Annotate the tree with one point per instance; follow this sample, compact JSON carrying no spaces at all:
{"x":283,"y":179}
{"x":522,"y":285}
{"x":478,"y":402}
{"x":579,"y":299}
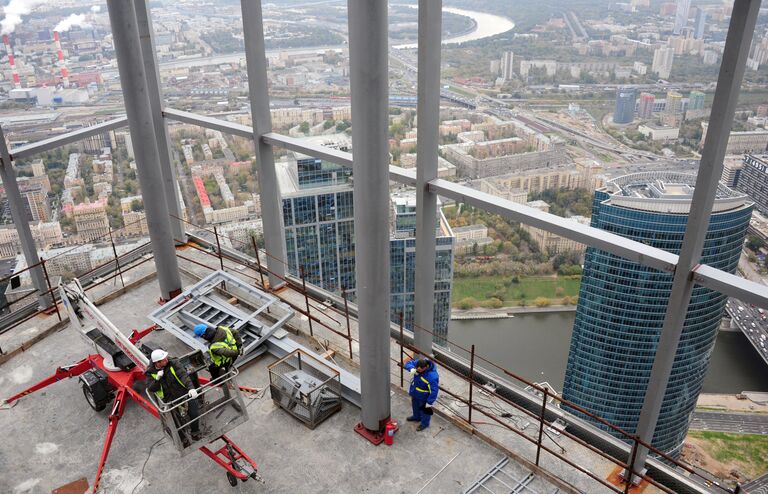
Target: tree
{"x":467,"y":303}
{"x":755,"y":243}
{"x":304,"y":127}
{"x":542,"y":302}
{"x":495,"y":303}
{"x":137,"y":205}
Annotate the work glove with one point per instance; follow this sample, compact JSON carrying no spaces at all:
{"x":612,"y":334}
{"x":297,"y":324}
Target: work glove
{"x":159,"y":375}
{"x":413,"y":371}
{"x":428,"y":405}
{"x":192,"y":393}
{"x":240,"y":350}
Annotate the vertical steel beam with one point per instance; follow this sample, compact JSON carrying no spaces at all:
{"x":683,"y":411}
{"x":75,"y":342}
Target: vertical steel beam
{"x":258,"y":92}
{"x":125,"y":34}
{"x":369,"y":83}
{"x":167,"y":169}
{"x":737,"y":46}
{"x":16,"y":205}
{"x":428,"y":110}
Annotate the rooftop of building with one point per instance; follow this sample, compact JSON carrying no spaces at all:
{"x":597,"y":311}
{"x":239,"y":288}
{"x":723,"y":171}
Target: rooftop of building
{"x":667,"y":192}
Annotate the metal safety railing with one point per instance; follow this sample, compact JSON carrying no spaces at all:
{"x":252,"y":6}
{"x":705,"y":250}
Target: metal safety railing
{"x":112,"y":268}
{"x":544,"y":415}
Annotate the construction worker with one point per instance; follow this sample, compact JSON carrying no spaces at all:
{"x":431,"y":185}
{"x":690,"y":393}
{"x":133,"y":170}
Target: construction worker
{"x":168,"y":379}
{"x":224,"y":346}
{"x":423,"y":390}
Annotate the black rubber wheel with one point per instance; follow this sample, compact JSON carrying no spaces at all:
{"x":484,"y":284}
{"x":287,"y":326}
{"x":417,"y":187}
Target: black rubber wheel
{"x":232,"y":479}
{"x":92,"y":400}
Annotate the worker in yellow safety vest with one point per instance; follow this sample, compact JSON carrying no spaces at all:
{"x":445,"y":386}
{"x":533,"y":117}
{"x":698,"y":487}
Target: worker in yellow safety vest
{"x":224,"y":346}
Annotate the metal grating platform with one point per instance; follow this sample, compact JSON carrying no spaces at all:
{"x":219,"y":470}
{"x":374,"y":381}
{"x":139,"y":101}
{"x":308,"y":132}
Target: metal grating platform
{"x":202,"y":304}
{"x":261,"y":329}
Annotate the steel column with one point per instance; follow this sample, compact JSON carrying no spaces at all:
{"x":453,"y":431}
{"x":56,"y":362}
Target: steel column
{"x":258,"y":92}
{"x":133,"y":80}
{"x":737,"y":46}
{"x":28,"y":248}
{"x":167,"y":168}
{"x":430,"y":30}
{"x":368,"y":64}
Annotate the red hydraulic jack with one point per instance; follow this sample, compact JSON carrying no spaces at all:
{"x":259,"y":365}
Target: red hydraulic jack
{"x":229,"y":456}
{"x":385,"y":434}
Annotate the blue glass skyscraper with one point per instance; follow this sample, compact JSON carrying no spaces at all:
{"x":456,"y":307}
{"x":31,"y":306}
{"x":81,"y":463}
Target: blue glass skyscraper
{"x":622,"y":304}
{"x":624,"y":112}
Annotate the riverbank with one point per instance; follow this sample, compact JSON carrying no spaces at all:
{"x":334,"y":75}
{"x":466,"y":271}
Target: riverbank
{"x":505,"y":312}
{"x":752,"y":402}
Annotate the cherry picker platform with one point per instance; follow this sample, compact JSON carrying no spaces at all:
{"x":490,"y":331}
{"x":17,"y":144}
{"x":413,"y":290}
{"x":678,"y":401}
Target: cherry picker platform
{"x":117,"y":367}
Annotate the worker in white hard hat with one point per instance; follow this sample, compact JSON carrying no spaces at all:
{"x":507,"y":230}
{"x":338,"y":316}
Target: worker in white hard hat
{"x":168,"y":379}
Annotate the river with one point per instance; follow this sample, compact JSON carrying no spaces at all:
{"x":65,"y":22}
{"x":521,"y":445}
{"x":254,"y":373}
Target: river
{"x":486,"y":25}
{"x":535,"y":346}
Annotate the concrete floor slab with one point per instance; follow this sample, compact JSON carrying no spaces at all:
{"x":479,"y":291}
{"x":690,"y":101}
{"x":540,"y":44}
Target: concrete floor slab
{"x":53,"y":437}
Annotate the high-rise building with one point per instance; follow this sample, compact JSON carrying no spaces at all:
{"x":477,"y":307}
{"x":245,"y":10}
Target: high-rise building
{"x":700,"y":24}
{"x":507,"y":60}
{"x":320,"y":238}
{"x":662,"y":61}
{"x":622,"y":304}
{"x":681,"y":15}
{"x":753,"y":180}
{"x":674,"y":109}
{"x":624,"y":110}
{"x":402,"y":258}
{"x":645,"y":108}
{"x":696,"y":100}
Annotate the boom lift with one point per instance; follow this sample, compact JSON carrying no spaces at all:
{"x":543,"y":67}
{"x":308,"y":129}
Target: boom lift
{"x":110,"y":373}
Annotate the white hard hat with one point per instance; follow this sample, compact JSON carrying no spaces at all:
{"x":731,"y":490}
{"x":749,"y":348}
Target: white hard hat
{"x":158,"y":355}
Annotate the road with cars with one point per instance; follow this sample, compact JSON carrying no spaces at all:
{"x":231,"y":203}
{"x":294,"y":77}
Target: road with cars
{"x":753,"y":322}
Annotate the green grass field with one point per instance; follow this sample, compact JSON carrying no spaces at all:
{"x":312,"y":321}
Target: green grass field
{"x":482,"y":288}
{"x":748,"y":451}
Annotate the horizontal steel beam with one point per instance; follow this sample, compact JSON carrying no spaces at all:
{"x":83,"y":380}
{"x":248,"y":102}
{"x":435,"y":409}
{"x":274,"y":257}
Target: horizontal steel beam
{"x":69,"y":137}
{"x":209,"y":122}
{"x":645,"y":255}
{"x":593,"y":237}
{"x":731,"y":285}
{"x":329,"y":154}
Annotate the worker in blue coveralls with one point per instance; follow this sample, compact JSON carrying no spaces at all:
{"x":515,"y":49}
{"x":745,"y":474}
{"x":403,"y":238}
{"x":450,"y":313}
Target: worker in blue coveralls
{"x":423,"y":391}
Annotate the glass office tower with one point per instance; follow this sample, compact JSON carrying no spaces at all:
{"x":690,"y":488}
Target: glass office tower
{"x":622,"y":304}
{"x":320,"y":238}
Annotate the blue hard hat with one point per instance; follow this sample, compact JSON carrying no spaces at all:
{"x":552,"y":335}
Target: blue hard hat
{"x":200,"y":330}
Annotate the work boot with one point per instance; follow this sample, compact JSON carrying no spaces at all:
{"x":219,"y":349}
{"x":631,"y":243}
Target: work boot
{"x":197,"y":435}
{"x":412,"y":419}
{"x":421,"y":427}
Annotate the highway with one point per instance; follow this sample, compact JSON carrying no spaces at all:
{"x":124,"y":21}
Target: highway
{"x":752,"y":322}
{"x":740,"y":423}
{"x":757,"y":486}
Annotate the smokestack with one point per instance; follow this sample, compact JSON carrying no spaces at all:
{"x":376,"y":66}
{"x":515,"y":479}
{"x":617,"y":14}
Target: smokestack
{"x":12,"y":62}
{"x":60,"y":55}
{"x":57,"y":41}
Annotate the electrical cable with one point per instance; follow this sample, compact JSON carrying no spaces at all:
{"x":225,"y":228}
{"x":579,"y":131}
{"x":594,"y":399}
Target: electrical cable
{"x":149,"y":455}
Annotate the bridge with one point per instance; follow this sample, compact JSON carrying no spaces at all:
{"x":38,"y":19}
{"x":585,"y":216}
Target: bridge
{"x":752,"y":322}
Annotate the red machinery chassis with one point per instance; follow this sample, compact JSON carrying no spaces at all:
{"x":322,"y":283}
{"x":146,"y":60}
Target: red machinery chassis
{"x":237,"y":464}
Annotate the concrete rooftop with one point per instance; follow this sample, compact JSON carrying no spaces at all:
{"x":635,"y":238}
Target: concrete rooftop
{"x":53,"y":437}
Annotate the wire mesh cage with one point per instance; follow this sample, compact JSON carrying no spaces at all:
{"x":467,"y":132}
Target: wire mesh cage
{"x":305,"y":387}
